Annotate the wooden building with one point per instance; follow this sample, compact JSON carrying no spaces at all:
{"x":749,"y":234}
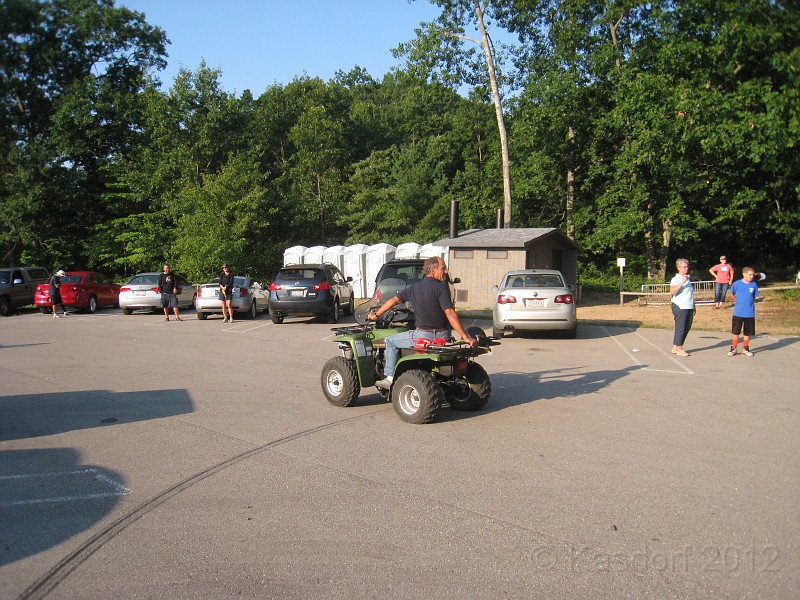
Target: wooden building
{"x":480,"y":258}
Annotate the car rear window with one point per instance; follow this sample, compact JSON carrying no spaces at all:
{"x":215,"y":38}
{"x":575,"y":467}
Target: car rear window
{"x":406,"y":272}
{"x":144,"y":280}
{"x":300,"y":274}
{"x":535,"y":281}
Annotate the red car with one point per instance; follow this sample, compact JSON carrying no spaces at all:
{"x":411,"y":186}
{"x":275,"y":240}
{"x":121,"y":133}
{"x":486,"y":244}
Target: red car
{"x":82,"y":290}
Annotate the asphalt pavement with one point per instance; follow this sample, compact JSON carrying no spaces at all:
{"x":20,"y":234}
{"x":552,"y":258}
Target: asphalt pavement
{"x":148,"y":459}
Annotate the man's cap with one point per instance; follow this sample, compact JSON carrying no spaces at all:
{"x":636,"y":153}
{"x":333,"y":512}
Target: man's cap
{"x":60,"y":273}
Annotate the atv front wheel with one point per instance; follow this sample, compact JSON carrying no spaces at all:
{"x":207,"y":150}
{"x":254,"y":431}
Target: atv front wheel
{"x":340,"y":381}
{"x":417,"y":397}
{"x":471,"y":391}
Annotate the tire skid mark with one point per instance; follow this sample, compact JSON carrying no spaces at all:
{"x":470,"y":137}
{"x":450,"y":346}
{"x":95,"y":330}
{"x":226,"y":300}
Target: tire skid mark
{"x":56,"y":575}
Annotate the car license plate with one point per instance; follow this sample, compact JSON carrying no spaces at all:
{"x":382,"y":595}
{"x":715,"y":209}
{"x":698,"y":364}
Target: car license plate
{"x":536,"y":302}
{"x":296,"y":293}
{"x":139,"y":293}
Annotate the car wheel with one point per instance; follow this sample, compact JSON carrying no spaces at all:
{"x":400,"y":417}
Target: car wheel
{"x":201,"y":315}
{"x":333,"y":315}
{"x":5,"y":306}
{"x":277,"y":319}
{"x":340,"y":381}
{"x":498,"y":333}
{"x":251,"y":314}
{"x":92,"y":305}
{"x":351,"y":306}
{"x":44,"y":310}
{"x":571,"y":334}
{"x":127,"y":311}
{"x":471,"y":391}
{"x":417,"y":397}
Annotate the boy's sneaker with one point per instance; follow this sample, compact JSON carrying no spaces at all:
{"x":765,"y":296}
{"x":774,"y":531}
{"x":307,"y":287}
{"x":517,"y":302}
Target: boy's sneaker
{"x":732,"y":352}
{"x":747,"y":352}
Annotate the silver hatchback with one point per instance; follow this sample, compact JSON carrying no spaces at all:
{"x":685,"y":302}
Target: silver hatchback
{"x":141,"y":291}
{"x":534,"y":300}
{"x":249,"y":298}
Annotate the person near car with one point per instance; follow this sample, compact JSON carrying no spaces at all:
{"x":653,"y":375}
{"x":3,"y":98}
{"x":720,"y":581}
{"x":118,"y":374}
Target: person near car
{"x":55,"y":293}
{"x":682,"y":291}
{"x":168,"y":287}
{"x":723,"y":278}
{"x":226,"y":293}
{"x":434,"y":312}
{"x":744,"y":293}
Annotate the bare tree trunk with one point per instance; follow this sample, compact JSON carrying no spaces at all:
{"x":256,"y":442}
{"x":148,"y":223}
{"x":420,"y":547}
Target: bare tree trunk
{"x":571,"y":185}
{"x":498,"y":109}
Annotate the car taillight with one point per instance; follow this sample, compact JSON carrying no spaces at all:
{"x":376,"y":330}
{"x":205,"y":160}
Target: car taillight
{"x":563,"y":299}
{"x":243,"y":292}
{"x":506,"y":299}
{"x":156,"y":290}
{"x":124,"y":289}
{"x":199,"y":292}
{"x":275,"y":286}
{"x":322,"y":286}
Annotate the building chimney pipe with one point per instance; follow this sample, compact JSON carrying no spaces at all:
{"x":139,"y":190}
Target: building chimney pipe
{"x":500,"y":220}
{"x":454,"y":218}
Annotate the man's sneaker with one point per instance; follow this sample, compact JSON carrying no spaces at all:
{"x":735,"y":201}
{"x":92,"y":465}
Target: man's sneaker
{"x":384,"y":384}
{"x":56,"y":316}
{"x":747,"y":352}
{"x":230,"y":320}
{"x":732,"y":352}
{"x":224,"y":320}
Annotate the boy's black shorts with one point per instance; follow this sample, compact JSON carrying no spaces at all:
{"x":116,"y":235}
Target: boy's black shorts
{"x":746,"y":323}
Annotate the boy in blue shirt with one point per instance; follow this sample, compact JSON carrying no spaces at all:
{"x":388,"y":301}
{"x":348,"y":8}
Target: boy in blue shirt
{"x":744,"y":293}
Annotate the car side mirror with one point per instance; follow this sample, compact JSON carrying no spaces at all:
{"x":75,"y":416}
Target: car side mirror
{"x":16,"y":282}
{"x":348,"y":278}
{"x":494,"y":288}
{"x":455,"y":280}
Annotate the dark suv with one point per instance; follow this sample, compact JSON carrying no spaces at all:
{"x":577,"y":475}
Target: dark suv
{"x":396,"y":275}
{"x":310,"y":290}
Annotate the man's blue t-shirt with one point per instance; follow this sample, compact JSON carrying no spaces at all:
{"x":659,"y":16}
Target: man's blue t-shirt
{"x":429,"y":299}
{"x":746,"y":293}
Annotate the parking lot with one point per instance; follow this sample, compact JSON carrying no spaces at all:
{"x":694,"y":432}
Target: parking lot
{"x":152,"y":459}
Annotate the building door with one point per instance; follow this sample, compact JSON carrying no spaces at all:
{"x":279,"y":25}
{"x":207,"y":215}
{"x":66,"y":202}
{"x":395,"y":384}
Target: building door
{"x":557,"y":259}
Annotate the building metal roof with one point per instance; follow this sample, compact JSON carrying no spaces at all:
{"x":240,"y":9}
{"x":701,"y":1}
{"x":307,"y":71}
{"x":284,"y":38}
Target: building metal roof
{"x":514,"y":237}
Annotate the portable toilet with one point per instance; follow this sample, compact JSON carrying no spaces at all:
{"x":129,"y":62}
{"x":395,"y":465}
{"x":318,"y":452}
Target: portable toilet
{"x":407,"y":250}
{"x":377,"y":255}
{"x":353,"y":261}
{"x":429,"y":250}
{"x":294,"y":255}
{"x":313,"y":255}
{"x":334,"y":255}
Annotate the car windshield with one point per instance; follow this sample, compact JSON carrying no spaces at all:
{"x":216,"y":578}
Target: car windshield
{"x":299,"y":274}
{"x":240,"y":281}
{"x":405,"y":272}
{"x":535,"y":281}
{"x":144,"y":280}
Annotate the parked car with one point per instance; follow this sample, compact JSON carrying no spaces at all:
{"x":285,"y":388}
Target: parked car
{"x":310,"y":290}
{"x":18,"y":286}
{"x":534,"y":300}
{"x":248,"y":298}
{"x":83,"y":290}
{"x":141,"y":291}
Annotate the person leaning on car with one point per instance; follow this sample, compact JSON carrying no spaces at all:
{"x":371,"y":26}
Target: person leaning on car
{"x":226,"y":280}
{"x":434,"y":312}
{"x":168,"y":286}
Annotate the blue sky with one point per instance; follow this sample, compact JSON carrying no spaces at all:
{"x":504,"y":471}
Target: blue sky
{"x":257,"y":43}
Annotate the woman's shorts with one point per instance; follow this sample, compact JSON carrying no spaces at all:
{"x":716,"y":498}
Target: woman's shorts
{"x":169,"y":301}
{"x":746,"y":323}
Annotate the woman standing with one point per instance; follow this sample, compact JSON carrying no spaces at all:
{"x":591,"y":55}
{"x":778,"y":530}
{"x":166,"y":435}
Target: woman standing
{"x":226,"y":293}
{"x":682,"y":305}
{"x":723,"y":278}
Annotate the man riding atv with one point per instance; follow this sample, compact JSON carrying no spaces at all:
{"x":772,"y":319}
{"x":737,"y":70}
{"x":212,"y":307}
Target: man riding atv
{"x":435,"y":315}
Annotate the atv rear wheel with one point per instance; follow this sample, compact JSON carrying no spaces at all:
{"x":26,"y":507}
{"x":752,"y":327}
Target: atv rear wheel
{"x":417,"y":397}
{"x":471,"y":391}
{"x":340,"y":381}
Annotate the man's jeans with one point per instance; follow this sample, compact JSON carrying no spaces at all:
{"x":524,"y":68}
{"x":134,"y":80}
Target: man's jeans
{"x":394,"y":343}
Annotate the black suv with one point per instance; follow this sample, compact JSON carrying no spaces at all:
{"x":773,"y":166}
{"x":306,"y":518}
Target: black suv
{"x":310,"y":290}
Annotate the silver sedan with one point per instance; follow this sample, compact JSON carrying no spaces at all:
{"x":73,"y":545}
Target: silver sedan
{"x":249,"y":298}
{"x":141,"y":291}
{"x":534,"y":300}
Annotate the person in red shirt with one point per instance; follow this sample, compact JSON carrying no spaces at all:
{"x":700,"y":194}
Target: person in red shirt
{"x":723,"y":277}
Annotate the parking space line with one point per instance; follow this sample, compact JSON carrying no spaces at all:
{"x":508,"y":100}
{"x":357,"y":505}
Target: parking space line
{"x":686,"y":370}
{"x":235,"y":329}
{"x":117,"y":489}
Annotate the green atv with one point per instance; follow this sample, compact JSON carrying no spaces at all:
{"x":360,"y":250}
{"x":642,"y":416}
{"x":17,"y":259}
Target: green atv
{"x":424,"y":378}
